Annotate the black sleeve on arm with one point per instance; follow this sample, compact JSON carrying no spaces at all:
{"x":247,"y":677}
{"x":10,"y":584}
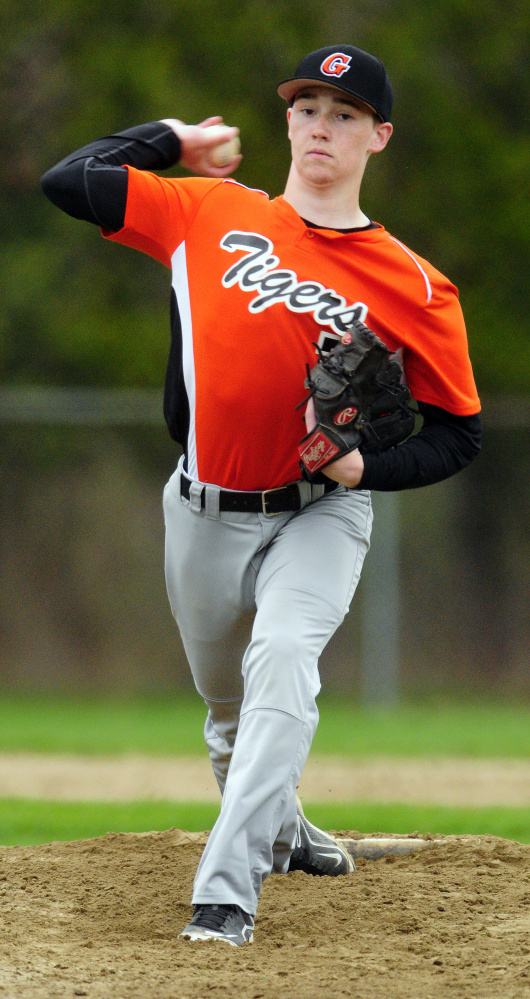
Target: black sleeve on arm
{"x":91,"y":184}
{"x":444,"y":445}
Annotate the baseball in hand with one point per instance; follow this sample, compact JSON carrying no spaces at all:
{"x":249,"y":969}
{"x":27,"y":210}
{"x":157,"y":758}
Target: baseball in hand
{"x":224,"y":153}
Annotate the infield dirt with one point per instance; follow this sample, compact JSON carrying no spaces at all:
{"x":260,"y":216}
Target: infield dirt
{"x":448,"y":781}
{"x":100,"y":918}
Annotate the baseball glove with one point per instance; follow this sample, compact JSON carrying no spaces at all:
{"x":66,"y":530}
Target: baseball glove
{"x":360,"y":401}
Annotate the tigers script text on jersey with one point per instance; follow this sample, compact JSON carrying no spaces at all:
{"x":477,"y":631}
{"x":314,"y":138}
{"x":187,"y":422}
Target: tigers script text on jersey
{"x":255,"y":289}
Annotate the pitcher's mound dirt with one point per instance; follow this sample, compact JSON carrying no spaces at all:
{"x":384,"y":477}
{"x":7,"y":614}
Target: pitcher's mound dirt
{"x":100,"y":918}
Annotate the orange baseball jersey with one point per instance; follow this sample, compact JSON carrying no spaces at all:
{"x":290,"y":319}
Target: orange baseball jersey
{"x":255,"y":289}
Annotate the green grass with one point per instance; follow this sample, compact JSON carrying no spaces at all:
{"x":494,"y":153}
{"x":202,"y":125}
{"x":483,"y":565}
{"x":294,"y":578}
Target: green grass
{"x":168,"y":726}
{"x":174,"y":726}
{"x":26,"y":821}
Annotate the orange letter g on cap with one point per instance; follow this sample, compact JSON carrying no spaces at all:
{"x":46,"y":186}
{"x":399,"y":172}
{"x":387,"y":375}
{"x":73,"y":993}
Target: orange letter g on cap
{"x":336,"y":64}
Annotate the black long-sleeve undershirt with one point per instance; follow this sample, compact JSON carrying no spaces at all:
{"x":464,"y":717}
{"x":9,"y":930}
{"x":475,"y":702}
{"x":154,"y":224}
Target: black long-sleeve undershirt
{"x":445,"y":445}
{"x":91,"y":184}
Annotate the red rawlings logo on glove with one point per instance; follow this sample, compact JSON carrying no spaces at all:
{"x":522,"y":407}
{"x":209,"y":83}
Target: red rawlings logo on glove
{"x":345,"y":416}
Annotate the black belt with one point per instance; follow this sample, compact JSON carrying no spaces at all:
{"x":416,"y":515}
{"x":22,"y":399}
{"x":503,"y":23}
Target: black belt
{"x":269,"y":502}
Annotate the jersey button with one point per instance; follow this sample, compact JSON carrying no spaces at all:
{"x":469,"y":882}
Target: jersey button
{"x":310,"y":234}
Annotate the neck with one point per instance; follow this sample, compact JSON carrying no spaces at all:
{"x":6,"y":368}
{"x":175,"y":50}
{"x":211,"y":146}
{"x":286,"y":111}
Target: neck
{"x":335,"y":208}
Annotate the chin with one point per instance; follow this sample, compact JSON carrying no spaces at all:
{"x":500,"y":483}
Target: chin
{"x":318,"y":173}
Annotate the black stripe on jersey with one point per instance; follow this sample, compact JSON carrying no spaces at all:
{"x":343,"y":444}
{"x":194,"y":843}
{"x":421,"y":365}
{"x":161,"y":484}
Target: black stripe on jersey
{"x":176,"y":403}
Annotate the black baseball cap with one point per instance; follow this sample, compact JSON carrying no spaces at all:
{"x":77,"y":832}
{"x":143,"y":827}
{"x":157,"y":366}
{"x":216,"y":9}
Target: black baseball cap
{"x":346,"y":68}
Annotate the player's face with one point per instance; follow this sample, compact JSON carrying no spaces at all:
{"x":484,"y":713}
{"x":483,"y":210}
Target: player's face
{"x":332,"y":137}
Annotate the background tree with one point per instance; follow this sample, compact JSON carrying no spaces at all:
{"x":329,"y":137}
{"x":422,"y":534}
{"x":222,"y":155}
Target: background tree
{"x":452,"y":183}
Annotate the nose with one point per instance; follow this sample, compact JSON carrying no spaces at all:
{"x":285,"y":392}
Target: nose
{"x":320,"y":127}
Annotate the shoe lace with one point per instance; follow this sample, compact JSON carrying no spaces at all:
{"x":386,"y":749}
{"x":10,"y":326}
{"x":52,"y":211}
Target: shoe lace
{"x":212,"y":917}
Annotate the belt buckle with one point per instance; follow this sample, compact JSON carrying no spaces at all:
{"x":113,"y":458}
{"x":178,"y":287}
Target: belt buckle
{"x":264,"y":501}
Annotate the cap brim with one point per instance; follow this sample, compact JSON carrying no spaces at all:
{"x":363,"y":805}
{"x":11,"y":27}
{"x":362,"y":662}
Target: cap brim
{"x":289,"y":88}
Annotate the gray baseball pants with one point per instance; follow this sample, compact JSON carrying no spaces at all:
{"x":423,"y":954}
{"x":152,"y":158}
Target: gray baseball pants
{"x":256,"y":599}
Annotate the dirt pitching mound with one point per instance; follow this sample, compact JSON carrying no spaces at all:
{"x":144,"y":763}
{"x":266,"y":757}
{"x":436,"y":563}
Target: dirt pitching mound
{"x":100,"y":918}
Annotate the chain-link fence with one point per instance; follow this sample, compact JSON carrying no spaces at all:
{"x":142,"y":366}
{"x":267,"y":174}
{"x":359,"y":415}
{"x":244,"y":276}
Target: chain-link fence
{"x":442,"y":606}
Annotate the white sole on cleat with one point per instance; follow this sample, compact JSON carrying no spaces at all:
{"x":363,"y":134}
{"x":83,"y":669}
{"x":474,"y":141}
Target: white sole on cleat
{"x":205,"y":937}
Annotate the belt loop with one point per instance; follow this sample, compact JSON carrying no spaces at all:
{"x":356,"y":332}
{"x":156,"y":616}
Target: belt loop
{"x":317,"y":490}
{"x":305,"y":492}
{"x":211,"y":502}
{"x":196,"y":489}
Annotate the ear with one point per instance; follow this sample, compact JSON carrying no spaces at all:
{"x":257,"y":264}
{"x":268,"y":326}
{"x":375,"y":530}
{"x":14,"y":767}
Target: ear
{"x":381,"y":137}
{"x":289,"y":112}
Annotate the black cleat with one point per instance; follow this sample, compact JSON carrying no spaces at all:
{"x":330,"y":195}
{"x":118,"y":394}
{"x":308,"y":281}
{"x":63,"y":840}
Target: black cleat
{"x":317,"y":853}
{"x":220,"y":922}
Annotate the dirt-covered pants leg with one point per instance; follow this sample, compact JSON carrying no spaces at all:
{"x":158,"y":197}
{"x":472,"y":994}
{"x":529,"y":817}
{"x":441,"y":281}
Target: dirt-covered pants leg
{"x":297,"y":573}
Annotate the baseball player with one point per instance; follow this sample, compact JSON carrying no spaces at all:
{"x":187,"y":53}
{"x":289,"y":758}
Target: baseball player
{"x":261,"y":560}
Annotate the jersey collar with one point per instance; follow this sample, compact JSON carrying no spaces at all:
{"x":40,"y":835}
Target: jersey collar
{"x":292,"y":218}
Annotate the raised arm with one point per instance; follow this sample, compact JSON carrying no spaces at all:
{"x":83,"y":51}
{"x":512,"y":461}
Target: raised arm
{"x":91,"y":183}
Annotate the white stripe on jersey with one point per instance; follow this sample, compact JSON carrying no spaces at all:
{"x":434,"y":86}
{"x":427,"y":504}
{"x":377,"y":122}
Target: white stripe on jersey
{"x":257,"y":190}
{"x":418,"y":265}
{"x":180,"y":285}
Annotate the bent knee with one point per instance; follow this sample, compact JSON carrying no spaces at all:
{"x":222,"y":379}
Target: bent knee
{"x":281,"y":673}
